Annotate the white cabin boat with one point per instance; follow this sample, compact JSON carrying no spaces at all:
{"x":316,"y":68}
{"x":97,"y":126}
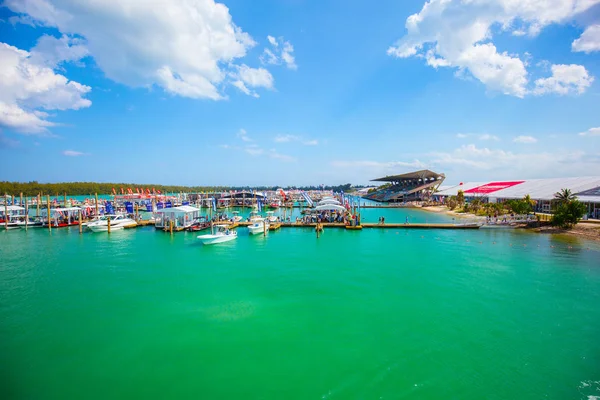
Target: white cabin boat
{"x":10,"y":216}
{"x":222,"y":234}
{"x":258,"y":226}
{"x":183,"y":217}
{"x":117,"y":222}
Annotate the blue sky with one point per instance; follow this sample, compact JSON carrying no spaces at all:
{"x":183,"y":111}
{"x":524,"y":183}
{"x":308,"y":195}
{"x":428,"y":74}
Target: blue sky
{"x":296,"y":92}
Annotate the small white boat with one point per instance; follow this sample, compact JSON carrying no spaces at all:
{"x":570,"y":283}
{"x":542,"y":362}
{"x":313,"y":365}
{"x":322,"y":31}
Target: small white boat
{"x":258,"y":226}
{"x":223,"y":234}
{"x":117,"y":222}
{"x":9,"y":225}
{"x":32,"y":223}
{"x":236,"y":216}
{"x":271,"y":216}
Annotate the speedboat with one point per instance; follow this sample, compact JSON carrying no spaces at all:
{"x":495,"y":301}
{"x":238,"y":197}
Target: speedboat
{"x":271,"y":216}
{"x":236,"y":216}
{"x":199,"y":224}
{"x":258,"y":226}
{"x":116,"y":222}
{"x":223,"y":234}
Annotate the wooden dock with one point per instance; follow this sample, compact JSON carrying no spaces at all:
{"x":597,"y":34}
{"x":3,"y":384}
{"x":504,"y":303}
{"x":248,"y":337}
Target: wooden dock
{"x":373,"y":226}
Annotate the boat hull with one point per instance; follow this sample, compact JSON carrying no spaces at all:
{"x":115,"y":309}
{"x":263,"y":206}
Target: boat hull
{"x":214,"y":239}
{"x":257,"y":230}
{"x":104,"y":227}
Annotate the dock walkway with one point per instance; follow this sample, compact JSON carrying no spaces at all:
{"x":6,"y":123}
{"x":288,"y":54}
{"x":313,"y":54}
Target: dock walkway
{"x":378,"y":226}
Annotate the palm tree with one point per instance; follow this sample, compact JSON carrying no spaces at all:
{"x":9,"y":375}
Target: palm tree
{"x":529,"y":200}
{"x":564,"y":196}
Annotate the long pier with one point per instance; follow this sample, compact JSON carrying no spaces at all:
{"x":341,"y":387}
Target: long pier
{"x":375,"y":226}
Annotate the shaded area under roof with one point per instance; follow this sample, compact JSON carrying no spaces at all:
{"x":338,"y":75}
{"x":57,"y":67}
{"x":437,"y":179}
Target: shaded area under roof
{"x":422,"y":174}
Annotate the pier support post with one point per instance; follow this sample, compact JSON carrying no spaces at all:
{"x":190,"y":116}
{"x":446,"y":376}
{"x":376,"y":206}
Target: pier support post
{"x":49,"y":219}
{"x":264,"y":227}
{"x":39,"y":199}
{"x":97,"y":205}
{"x":65,"y":199}
{"x":108,"y":221}
{"x":5,"y":211}
{"x":80,"y":222}
{"x":21,"y":199}
{"x":26,"y":214}
{"x":171,"y":226}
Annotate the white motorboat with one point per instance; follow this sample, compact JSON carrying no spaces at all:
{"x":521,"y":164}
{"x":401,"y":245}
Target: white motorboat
{"x":258,"y":226}
{"x":116,"y":222}
{"x":236,"y":216}
{"x":10,"y":216}
{"x":9,"y":225}
{"x":222,"y":234}
{"x":31,"y":223}
{"x":271,"y":216}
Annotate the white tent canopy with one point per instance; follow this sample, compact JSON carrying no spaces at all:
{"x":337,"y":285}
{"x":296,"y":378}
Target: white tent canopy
{"x":537,"y":189}
{"x":328,"y":201}
{"x":330,"y":207}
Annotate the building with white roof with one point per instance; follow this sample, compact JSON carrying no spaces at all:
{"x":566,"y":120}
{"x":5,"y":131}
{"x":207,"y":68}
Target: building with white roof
{"x":587,"y":190}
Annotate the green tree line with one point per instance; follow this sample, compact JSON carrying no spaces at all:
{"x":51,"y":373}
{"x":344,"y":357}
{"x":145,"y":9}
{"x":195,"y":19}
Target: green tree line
{"x":33,"y":188}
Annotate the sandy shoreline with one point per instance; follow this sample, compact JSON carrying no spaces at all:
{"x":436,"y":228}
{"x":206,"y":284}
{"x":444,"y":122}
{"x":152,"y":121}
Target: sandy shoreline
{"x":583,"y":230}
{"x":444,"y":210}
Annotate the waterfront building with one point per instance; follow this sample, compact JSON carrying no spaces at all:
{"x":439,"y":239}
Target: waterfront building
{"x":412,"y":186}
{"x":587,"y":190}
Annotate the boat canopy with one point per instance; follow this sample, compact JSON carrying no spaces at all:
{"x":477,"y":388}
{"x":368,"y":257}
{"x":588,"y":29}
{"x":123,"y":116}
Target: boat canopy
{"x":180,"y":209}
{"x":330,"y":207}
{"x":11,"y":208}
{"x":328,"y":201}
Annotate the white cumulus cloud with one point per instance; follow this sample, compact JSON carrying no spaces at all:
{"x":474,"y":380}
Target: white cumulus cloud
{"x":589,"y":40}
{"x":186,"y":47}
{"x":28,"y":86}
{"x":565,"y":79}
{"x":458,"y":34}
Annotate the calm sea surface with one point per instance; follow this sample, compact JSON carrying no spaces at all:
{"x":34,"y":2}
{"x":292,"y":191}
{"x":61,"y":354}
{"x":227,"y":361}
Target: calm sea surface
{"x":372,"y":314}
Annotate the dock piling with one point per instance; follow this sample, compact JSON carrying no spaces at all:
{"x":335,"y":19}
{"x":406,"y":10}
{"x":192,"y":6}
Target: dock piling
{"x":80,"y":226}
{"x":5,"y":211}
{"x":108,"y":222}
{"x":49,"y":222}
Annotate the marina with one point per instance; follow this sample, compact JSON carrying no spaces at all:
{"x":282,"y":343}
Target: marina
{"x":295,"y":200}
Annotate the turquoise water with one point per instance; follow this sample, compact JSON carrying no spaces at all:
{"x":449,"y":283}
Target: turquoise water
{"x":416,"y":314}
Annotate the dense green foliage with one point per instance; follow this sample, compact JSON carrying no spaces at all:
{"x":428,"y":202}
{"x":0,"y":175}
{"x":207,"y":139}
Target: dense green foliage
{"x":86,"y":188}
{"x":568,"y":210}
{"x":520,"y":207}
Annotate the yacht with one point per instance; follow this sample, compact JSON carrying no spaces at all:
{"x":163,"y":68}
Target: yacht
{"x":116,"y":222}
{"x":222,"y":234}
